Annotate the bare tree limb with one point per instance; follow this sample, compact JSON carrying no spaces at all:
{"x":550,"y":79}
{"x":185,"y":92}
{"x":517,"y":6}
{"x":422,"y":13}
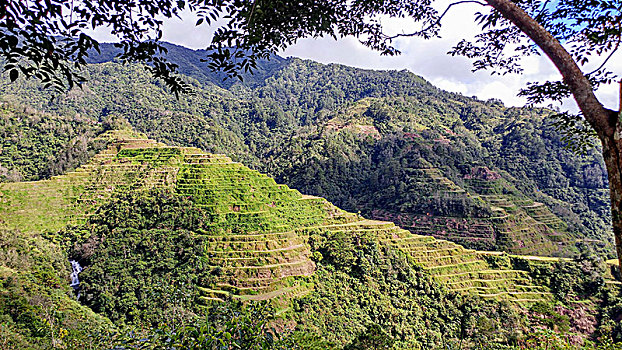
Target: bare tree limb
{"x":608,"y":57}
{"x":437,"y":22}
{"x":546,"y":3}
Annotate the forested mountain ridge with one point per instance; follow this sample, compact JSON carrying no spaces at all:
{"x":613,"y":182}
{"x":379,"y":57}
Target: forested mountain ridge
{"x":190,"y":64}
{"x":153,"y":257}
{"x":337,"y":131}
{"x":390,"y":160}
{"x":165,"y":233}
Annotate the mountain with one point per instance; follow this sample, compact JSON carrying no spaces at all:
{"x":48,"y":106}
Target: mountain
{"x":387,"y":159}
{"x":165,"y":232}
{"x":190,"y":64}
{"x":165,"y":205}
{"x":385,"y":143}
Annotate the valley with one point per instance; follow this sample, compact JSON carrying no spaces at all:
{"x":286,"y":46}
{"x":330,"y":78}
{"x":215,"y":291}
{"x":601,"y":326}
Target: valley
{"x":347,"y":203}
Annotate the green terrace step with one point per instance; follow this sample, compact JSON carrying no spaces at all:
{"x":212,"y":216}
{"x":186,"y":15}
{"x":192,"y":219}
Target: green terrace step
{"x":497,"y":288}
{"x":206,"y":160}
{"x":362,"y":224}
{"x":233,"y":247}
{"x":208,"y":300}
{"x":213,"y":293}
{"x":267,"y":267}
{"x":259,"y":257}
{"x":475,"y":282}
{"x":526,"y":202}
{"x":209,"y":162}
{"x":486,"y":274}
{"x":468,"y":266}
{"x":220,"y":172}
{"x":192,"y":153}
{"x":244,"y":189}
{"x":364,"y":231}
{"x":256,"y":262}
{"x":447,"y":260}
{"x":255,"y":183}
{"x":292,"y":292}
{"x":272,"y":271}
{"x":244,"y":291}
{"x":441,"y":249}
{"x":250,"y":283}
{"x":252,"y":237}
{"x":211,"y":185}
{"x":242,"y":288}
{"x":253,"y":253}
{"x":285,"y":256}
{"x":518,"y":295}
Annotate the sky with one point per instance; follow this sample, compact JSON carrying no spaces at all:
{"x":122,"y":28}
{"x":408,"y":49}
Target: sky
{"x":427,"y":58}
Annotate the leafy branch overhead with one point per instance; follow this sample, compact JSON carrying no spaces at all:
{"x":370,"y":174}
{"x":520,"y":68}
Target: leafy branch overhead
{"x":48,"y":40}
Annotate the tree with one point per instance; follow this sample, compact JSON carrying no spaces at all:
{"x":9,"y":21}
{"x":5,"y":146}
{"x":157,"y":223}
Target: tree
{"x":230,"y":325}
{"x":45,"y":39}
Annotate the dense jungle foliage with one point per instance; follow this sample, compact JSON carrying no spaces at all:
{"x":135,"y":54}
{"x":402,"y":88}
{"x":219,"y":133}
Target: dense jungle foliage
{"x":360,"y":139}
{"x":139,"y":292}
{"x":36,"y":146}
{"x":350,"y":135}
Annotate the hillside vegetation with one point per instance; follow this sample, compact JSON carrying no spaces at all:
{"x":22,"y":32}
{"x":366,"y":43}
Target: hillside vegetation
{"x":187,"y":239}
{"x":165,"y":233}
{"x":385,"y":143}
{"x":391,"y":163}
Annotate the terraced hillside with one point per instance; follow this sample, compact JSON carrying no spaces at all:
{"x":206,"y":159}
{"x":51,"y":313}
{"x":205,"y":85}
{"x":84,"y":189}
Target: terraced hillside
{"x":400,"y":159}
{"x":256,"y":232}
{"x":505,"y":220}
{"x":464,"y":270}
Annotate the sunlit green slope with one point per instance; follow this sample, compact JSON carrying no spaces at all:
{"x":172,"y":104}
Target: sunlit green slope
{"x":256,"y":232}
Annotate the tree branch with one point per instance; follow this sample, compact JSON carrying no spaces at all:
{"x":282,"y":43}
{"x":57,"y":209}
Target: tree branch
{"x":546,"y":3}
{"x":615,"y":49}
{"x":250,"y":17}
{"x":582,"y":90}
{"x":437,"y":22}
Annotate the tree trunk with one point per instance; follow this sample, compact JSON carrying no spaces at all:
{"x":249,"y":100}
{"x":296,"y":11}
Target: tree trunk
{"x":606,"y":123}
{"x":612,"y":154}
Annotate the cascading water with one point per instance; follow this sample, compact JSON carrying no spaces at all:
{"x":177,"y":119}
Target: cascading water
{"x":75,"y":281}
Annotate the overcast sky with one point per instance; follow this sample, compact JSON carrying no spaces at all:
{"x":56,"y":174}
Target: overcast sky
{"x":427,"y":58}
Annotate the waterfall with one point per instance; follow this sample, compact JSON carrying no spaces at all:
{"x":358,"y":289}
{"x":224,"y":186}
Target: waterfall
{"x":75,"y":281}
